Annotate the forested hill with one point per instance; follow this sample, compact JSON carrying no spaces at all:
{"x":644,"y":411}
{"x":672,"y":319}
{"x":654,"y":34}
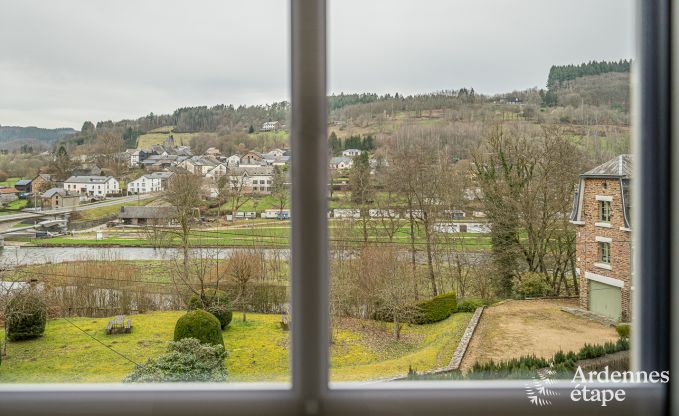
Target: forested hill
{"x":560,"y":74}
{"x":8,"y":133}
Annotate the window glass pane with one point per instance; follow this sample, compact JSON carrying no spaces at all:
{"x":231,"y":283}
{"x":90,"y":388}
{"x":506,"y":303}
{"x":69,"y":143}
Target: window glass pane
{"x":138,"y":197}
{"x":479,"y":196}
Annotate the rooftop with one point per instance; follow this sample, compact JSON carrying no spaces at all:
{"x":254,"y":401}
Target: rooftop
{"x":620,"y":167}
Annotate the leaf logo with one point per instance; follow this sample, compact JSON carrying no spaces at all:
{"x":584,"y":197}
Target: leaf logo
{"x":538,"y":391}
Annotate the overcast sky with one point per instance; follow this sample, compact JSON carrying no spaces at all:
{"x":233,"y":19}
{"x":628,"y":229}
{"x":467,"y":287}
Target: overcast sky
{"x":66,"y":61}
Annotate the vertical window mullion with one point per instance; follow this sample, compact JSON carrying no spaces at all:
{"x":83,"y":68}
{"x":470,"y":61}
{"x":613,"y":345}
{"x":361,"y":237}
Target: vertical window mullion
{"x":309,"y":202}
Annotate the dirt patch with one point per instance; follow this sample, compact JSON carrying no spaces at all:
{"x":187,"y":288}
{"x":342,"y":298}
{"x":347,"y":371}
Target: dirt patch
{"x":523,"y":327}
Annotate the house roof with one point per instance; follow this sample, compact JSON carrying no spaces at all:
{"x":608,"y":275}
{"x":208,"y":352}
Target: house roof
{"x":620,"y":166}
{"x":339,"y":159}
{"x":135,"y":212}
{"x":51,"y":192}
{"x":89,"y":179}
{"x":251,"y":170}
{"x":45,"y":176}
{"x":23,"y":182}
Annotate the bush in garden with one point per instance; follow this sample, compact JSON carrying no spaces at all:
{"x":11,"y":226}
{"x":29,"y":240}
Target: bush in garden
{"x":201,"y":325}
{"x":436,"y":309}
{"x":530,"y":285}
{"x":623,"y":330}
{"x":186,"y":360}
{"x":26,"y":316}
{"x":217,"y":302}
{"x":470,"y":305}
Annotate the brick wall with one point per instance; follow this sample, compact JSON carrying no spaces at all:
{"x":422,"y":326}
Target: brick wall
{"x":587,"y":250}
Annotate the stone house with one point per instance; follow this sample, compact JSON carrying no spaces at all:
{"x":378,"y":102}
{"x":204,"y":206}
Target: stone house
{"x":42,"y":182}
{"x":603,"y":246}
{"x":57,"y":198}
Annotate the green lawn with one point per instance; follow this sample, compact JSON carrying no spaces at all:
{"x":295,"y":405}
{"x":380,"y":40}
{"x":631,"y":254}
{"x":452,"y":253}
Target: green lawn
{"x":110,"y":210}
{"x":258,"y":349}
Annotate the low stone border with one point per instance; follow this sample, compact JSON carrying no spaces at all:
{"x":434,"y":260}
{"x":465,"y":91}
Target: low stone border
{"x":590,"y":315}
{"x":461,"y":349}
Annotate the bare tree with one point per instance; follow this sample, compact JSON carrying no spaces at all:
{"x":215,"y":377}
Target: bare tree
{"x":244,"y":267}
{"x":233,"y":189}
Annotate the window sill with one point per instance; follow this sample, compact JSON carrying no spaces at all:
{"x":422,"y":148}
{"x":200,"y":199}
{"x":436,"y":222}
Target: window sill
{"x":603,"y":266}
{"x":603,"y":224}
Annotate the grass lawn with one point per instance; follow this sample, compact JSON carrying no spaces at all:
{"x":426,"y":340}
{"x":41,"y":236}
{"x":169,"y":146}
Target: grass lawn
{"x":110,"y":210}
{"x":258,"y":349}
{"x":145,"y":141}
{"x":9,"y":182}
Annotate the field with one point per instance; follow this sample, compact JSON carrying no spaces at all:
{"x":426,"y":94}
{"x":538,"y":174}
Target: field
{"x":109,"y":210}
{"x":258,"y":349}
{"x":523,"y":327}
{"x":180,"y":139}
{"x":271,"y":233}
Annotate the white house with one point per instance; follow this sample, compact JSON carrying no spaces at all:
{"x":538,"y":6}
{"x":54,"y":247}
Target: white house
{"x":271,"y":126}
{"x":92,"y":185}
{"x":152,"y":182}
{"x":135,"y":157}
{"x":351,"y":152}
{"x":218,"y":171}
{"x":341,"y":163}
{"x":252,"y":179}
{"x":232,"y":161}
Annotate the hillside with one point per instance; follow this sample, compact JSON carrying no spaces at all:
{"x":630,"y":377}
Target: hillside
{"x":13,"y":137}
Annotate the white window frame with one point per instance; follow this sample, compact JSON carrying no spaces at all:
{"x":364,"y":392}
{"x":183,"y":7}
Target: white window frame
{"x":309,"y":393}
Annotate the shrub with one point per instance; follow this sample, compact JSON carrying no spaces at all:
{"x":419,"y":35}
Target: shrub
{"x":470,"y":305}
{"x":201,"y":325}
{"x":436,"y":309}
{"x":187,"y":360}
{"x":26,"y":316}
{"x":217,"y":302}
{"x":623,"y":330}
{"x":530,"y":285}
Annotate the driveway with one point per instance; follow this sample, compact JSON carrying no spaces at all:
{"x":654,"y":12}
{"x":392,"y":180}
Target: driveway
{"x":523,"y":327}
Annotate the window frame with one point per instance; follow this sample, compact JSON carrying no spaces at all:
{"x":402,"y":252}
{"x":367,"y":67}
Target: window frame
{"x":310,"y":393}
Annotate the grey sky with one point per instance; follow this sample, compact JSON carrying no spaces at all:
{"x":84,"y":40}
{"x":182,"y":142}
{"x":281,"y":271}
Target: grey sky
{"x":66,"y":61}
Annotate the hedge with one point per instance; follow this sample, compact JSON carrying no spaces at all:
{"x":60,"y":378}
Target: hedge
{"x":217,"y":302}
{"x":201,"y":325}
{"x":26,"y":316}
{"x":436,"y":309}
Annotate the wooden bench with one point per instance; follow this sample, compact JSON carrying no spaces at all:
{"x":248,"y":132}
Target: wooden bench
{"x":119,"y":325}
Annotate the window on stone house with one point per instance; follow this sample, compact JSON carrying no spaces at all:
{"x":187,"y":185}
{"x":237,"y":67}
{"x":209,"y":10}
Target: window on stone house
{"x":605,"y":211}
{"x":605,"y":252}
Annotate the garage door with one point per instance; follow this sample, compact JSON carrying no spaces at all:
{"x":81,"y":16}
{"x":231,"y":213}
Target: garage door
{"x":605,"y":299}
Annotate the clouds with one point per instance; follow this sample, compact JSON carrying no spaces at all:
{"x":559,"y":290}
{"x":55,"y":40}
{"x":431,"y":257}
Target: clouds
{"x":63,"y":62}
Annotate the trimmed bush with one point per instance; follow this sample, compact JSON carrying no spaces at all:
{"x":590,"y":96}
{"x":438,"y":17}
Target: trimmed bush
{"x":623,"y":330}
{"x":470,"y":305}
{"x":185,"y":361}
{"x":436,"y":309}
{"x":201,"y":325}
{"x":26,"y":316}
{"x":217,"y":302}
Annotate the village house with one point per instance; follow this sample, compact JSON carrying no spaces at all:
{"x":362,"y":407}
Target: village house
{"x":158,"y":162}
{"x":213,"y":151}
{"x":252,"y":158}
{"x":250,"y":179}
{"x":271,"y":126}
{"x":8,"y":194}
{"x":150,"y":182}
{"x":135,"y":157}
{"x":42,"y":182}
{"x":232,"y":161}
{"x":199,"y":165}
{"x":136,"y":215}
{"x":217,"y":172}
{"x":603,"y":246}
{"x":351,"y":152}
{"x":341,"y":163}
{"x":92,"y":185}
{"x":23,"y":185}
{"x":58,"y":198}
